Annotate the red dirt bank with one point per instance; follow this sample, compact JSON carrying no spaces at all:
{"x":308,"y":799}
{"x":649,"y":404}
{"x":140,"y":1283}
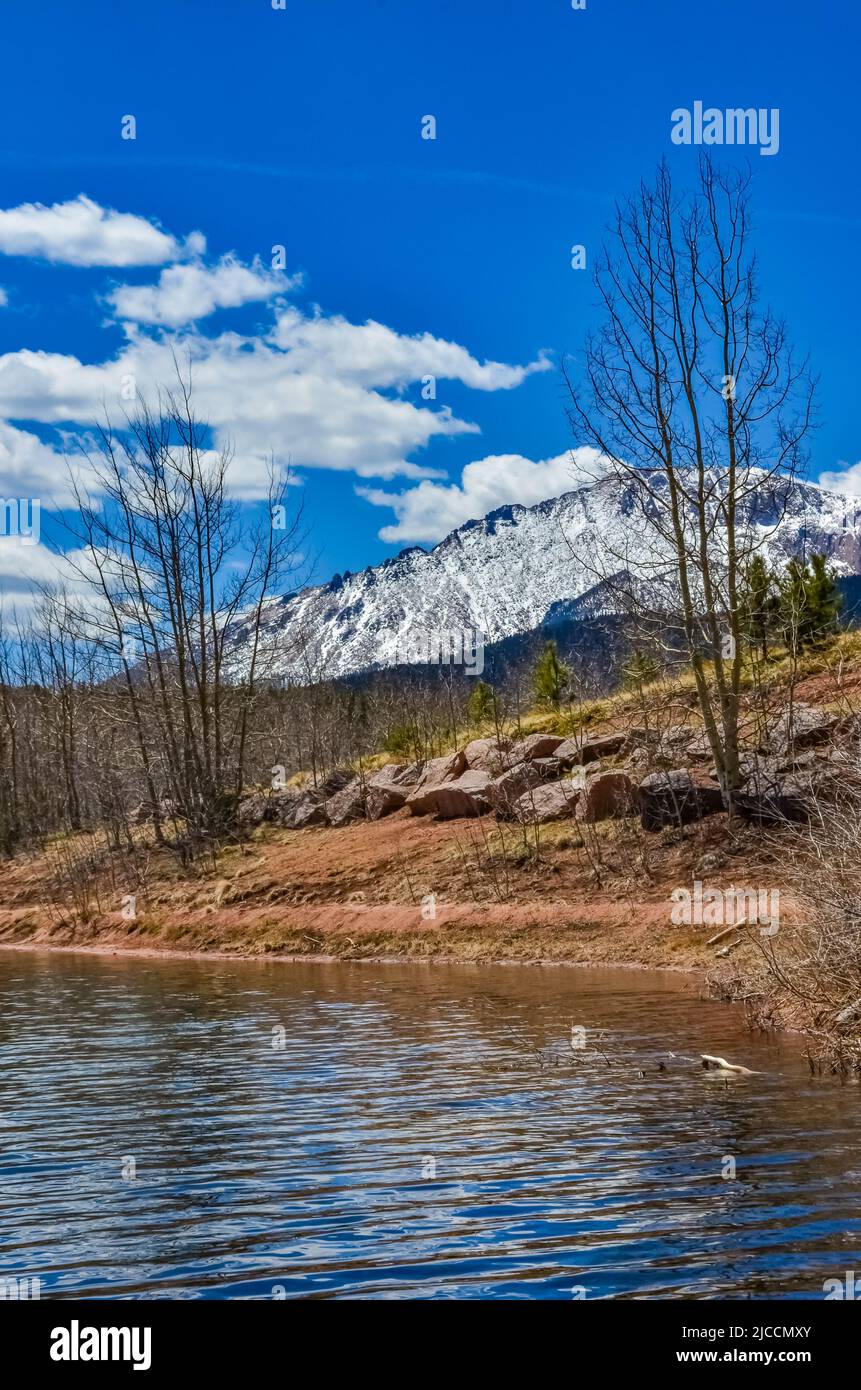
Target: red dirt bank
{"x":357,"y":893}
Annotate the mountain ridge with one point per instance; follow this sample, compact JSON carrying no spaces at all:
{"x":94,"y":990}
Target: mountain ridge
{"x":506,"y":573}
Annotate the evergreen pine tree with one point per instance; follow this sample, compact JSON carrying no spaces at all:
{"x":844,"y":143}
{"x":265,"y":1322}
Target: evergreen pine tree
{"x":759,"y":602}
{"x":481,"y":704}
{"x":809,"y":602}
{"x":824,"y":601}
{"x":551,"y":677}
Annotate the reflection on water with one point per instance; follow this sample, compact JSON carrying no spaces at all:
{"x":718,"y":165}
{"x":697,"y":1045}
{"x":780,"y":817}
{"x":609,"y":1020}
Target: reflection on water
{"x":413,"y":1136}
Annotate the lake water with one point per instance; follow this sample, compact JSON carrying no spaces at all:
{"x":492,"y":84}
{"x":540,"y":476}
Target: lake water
{"x":174,"y":1128}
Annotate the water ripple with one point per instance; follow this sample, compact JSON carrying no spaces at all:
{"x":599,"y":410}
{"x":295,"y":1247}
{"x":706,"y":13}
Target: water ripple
{"x":423,"y":1132}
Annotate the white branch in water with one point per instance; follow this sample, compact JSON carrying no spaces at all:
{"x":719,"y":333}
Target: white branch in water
{"x":721,"y":1064}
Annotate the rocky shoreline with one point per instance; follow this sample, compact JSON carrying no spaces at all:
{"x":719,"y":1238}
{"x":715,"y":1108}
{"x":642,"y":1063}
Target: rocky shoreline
{"x":661,"y":774}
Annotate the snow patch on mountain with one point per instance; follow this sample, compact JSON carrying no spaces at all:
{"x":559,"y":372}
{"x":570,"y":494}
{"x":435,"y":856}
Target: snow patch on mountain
{"x":504,"y":573}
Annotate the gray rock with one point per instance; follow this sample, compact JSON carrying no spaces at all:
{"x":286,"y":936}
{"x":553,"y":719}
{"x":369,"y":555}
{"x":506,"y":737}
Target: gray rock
{"x":607,"y":794}
{"x":555,"y":801}
{"x":673,"y":797}
{"x":309,"y":809}
{"x":672,"y":735}
{"x":699,"y":747}
{"x":440,"y":770}
{"x":382,"y":801}
{"x":167,"y":809}
{"x":750,"y":765}
{"x":347,"y":805}
{"x":335,"y":781}
{"x":388,"y":788}
{"x":397,"y":775}
{"x":504,"y":791}
{"x":532,"y":747}
{"x":786,"y":799}
{"x":548,"y":769}
{"x":262,"y":807}
{"x":589,"y":748}
{"x":798,"y":726}
{"x":460,"y":796}
{"x":810,"y":759}
{"x":487,"y":754}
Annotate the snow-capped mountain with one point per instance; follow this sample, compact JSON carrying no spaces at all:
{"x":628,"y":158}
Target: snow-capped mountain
{"x":502,"y":575}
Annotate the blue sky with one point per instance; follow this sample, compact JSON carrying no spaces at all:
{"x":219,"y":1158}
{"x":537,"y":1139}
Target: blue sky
{"x":259,"y":127}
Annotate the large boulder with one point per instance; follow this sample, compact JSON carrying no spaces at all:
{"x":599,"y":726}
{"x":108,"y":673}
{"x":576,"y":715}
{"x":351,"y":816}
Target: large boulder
{"x":787,"y":789}
{"x":255,"y":809}
{"x":532,"y":747}
{"x":487,"y":754}
{"x":749,"y":765}
{"x":799,"y":726}
{"x":589,"y":748}
{"x":606,"y":794}
{"x":554,"y":801}
{"x":698,"y":748}
{"x":638,"y":761}
{"x":784,"y":799}
{"x":382,"y":801}
{"x":808,"y":760}
{"x":547,"y":769}
{"x":263,"y":807}
{"x":758,"y":776}
{"x":308,"y":809}
{"x":443,"y":769}
{"x":504,"y":791}
{"x":462,"y":796}
{"x":397,"y":775}
{"x":346,"y":805}
{"x":388,"y":788}
{"x":674,"y":797}
{"x":335,"y":781}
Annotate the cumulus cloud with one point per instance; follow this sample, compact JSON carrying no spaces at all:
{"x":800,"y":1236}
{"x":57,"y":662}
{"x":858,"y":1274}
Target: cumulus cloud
{"x":30,"y":468}
{"x":373,"y":354}
{"x":250,"y":395}
{"x":24,"y":567}
{"x":313,"y":390}
{"x":311,"y":409}
{"x":430,"y":511}
{"x":188,"y":292}
{"x":846,"y":479}
{"x":81,"y":233}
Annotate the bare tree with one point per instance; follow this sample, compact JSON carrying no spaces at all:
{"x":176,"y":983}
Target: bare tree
{"x":694,"y":398}
{"x":176,"y":577}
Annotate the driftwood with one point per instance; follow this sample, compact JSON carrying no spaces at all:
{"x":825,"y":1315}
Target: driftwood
{"x":719,"y":936}
{"x":721,"y":1064}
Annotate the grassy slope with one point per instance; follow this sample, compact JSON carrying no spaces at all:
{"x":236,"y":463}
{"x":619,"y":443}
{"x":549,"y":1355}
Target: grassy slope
{"x":357,"y":892}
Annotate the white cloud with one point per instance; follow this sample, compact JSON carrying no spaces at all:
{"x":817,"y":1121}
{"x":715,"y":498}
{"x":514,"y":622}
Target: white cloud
{"x":24,"y":566}
{"x":250,"y":395}
{"x":846,"y":479}
{"x":314,"y":391}
{"x":21,"y":566}
{"x":315,"y":410}
{"x":82,"y":233}
{"x":430,"y":511}
{"x":4,"y":298}
{"x":185,"y":293}
{"x":29,"y":468}
{"x":375,"y":355}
